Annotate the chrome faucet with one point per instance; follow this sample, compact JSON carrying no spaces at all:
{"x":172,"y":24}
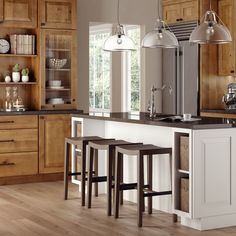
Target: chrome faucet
{"x":151,"y":106}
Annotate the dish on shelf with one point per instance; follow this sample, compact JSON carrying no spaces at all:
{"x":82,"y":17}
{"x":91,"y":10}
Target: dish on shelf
{"x":54,"y":83}
{"x":55,"y":87}
{"x":56,"y":63}
{"x":56,"y":101}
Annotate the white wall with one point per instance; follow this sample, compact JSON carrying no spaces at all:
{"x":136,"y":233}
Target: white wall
{"x":140,"y":12}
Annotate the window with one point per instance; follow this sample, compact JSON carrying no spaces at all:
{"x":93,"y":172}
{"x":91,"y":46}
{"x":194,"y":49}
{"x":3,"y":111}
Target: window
{"x":99,"y":69}
{"x":132,"y":72}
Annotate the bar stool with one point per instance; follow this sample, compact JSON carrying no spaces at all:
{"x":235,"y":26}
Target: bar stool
{"x":82,"y":143}
{"x":142,"y":190}
{"x":109,"y":146}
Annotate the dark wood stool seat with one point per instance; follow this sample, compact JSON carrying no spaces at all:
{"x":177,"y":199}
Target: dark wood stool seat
{"x":80,"y":143}
{"x":142,"y":190}
{"x":109,"y":146}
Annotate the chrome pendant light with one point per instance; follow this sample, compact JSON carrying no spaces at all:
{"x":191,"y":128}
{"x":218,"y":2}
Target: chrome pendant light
{"x":161,"y":36}
{"x":210,"y":31}
{"x":119,"y":41}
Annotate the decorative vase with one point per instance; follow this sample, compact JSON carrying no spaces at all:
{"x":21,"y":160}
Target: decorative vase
{"x":25,"y":78}
{"x":15,"y":76}
{"x":7,"y":78}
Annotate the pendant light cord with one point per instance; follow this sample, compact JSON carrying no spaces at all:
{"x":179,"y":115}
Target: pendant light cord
{"x":158,"y":10}
{"x":118,"y":12}
{"x":210,"y":6}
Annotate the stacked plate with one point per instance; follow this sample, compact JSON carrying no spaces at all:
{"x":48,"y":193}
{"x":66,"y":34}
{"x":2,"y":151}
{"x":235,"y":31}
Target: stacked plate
{"x":56,"y":101}
{"x":55,"y":84}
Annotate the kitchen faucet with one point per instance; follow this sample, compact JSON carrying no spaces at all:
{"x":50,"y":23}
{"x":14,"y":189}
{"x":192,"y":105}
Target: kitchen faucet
{"x":151,"y":107}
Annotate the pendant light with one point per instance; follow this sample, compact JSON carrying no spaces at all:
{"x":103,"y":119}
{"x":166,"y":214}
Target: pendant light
{"x":210,"y":31}
{"x":161,"y":36}
{"x":119,"y":41}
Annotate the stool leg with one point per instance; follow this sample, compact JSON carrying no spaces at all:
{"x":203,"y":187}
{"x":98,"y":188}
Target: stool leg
{"x":117,"y":183}
{"x":109,"y":179}
{"x":140,"y":189}
{"x":174,"y":216}
{"x":90,"y":172}
{"x":96,"y":171}
{"x":83,"y":173}
{"x":149,"y":179}
{"x":121,"y":178}
{"x":66,"y":169}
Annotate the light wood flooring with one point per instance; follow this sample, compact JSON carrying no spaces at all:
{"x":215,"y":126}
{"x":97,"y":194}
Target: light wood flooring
{"x":39,"y":209}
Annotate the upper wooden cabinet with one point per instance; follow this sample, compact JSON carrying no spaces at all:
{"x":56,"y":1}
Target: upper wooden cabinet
{"x":57,"y":14}
{"x":226,"y":52}
{"x":181,"y":10}
{"x":18,"y":13}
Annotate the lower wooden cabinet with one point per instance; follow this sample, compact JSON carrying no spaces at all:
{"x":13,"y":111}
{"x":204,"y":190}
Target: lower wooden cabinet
{"x":52,"y":132}
{"x":16,"y":164}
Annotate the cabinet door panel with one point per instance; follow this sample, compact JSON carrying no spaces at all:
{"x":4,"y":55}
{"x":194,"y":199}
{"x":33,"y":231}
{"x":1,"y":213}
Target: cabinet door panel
{"x":52,"y":132}
{"x":18,"y":13}
{"x":226,"y":65}
{"x":58,"y":14}
{"x":171,"y":13}
{"x":214,"y":173}
{"x":189,"y":11}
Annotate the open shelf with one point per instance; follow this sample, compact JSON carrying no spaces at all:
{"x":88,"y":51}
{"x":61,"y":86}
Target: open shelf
{"x":17,"y":55}
{"x":50,"y":69}
{"x":59,"y":49}
{"x":56,"y":89}
{"x":18,"y":83}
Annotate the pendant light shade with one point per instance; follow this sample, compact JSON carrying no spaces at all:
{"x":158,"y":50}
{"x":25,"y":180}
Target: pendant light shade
{"x":119,"y":41}
{"x":211,"y":32}
{"x":160,"y":37}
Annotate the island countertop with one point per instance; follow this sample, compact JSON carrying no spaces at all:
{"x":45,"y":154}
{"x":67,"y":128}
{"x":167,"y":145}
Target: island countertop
{"x":143,"y":118}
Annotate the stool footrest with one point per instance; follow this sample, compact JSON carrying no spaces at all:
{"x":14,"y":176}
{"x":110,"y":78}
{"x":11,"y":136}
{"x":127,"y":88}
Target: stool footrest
{"x":154,"y":193}
{"x":129,"y":186}
{"x":74,"y":173}
{"x":96,"y":179}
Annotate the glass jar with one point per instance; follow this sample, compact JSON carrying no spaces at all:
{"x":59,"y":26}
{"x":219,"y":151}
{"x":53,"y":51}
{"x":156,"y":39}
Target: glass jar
{"x":8,"y":100}
{"x":16,"y":99}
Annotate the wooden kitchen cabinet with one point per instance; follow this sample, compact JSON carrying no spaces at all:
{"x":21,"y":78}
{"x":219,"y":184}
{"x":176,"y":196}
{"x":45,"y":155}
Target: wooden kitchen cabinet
{"x":226,"y":52}
{"x":52,"y":132}
{"x":58,"y":62}
{"x":57,"y":14}
{"x":18,"y":145}
{"x":18,"y":13}
{"x":178,"y":11}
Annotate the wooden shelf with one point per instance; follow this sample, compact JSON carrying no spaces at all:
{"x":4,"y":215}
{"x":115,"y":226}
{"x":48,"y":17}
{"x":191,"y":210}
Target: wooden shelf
{"x":18,"y":83}
{"x":50,"y":69}
{"x":59,"y":49}
{"x":17,"y":55}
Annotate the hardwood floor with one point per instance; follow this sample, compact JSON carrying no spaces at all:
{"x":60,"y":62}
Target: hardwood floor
{"x":39,"y":209}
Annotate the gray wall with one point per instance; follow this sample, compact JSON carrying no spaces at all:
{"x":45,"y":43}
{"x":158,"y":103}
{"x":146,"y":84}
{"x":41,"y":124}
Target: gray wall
{"x":140,"y":12}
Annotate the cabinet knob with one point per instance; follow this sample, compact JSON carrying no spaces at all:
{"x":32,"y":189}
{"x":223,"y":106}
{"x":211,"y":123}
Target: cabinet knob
{"x":42,"y":117}
{"x":232,"y":71}
{"x":43,"y":24}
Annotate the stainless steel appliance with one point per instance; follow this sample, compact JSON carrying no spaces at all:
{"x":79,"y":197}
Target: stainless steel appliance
{"x":229,"y":98}
{"x":180,"y":71}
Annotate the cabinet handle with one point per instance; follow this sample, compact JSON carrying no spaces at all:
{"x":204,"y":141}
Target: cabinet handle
{"x":232,"y":71}
{"x":42,"y":117}
{"x":43,"y":24}
{"x":7,"y":141}
{"x":180,"y":19}
{"x":6,"y":163}
{"x":7,"y":121}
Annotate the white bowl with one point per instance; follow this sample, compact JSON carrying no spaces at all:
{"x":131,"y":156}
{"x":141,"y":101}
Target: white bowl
{"x":56,"y":101}
{"x":54,"y":83}
{"x":56,"y":63}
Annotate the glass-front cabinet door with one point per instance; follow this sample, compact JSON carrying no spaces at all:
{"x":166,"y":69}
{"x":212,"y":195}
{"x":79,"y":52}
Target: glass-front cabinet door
{"x":58,"y":67}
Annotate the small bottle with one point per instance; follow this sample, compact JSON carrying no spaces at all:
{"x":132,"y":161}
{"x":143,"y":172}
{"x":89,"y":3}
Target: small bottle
{"x":8,"y":100}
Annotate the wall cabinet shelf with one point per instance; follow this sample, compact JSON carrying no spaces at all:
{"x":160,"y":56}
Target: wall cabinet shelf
{"x":17,"y":55}
{"x":19,"y":83}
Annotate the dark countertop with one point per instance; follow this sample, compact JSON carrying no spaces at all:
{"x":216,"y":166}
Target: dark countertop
{"x":39,"y":112}
{"x":142,"y":118}
{"x":223,"y":111}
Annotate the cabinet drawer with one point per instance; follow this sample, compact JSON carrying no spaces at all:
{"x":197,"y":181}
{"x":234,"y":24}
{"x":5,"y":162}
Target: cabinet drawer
{"x":19,"y":140}
{"x":13,"y":164}
{"x":18,"y":122}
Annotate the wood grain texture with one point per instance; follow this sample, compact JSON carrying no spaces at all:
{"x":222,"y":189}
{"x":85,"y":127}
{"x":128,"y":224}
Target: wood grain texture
{"x":53,"y":129}
{"x":39,"y":209}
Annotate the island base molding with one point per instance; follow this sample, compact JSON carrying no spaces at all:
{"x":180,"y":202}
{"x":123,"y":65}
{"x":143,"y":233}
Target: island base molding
{"x":207,"y":223}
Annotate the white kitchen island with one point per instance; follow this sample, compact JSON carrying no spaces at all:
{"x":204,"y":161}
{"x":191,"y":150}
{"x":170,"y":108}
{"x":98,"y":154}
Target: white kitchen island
{"x":212,"y":163}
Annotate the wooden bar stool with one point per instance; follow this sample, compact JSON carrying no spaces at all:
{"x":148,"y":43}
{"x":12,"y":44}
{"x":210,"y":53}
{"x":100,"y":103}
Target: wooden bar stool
{"x":142,"y":190}
{"x":109,"y":146}
{"x":81,"y":143}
